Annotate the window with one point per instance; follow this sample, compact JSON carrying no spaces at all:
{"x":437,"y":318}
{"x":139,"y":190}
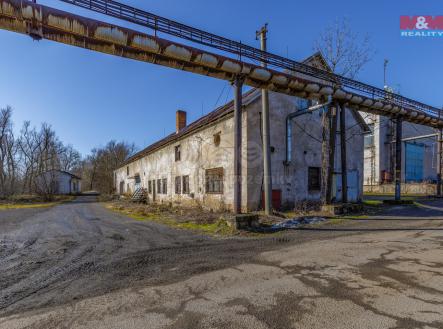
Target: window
{"x":137,"y":179}
{"x":185,"y":184}
{"x":178,"y":185}
{"x":217,"y":139}
{"x":164,"y":185}
{"x":178,"y":153}
{"x":214,"y":181}
{"x":369,"y":138}
{"x":159,"y":186}
{"x":149,"y":187}
{"x":314,"y":179}
{"x":127,"y":170}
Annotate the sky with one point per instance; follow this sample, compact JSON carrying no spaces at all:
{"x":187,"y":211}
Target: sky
{"x":90,"y":98}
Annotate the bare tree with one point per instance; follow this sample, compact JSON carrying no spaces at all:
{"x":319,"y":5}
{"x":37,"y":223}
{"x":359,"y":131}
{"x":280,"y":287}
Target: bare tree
{"x":99,"y":166}
{"x":8,"y":164}
{"x":69,"y":158}
{"x":345,"y":51}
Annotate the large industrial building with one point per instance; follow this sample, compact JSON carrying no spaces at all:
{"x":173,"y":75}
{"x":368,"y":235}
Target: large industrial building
{"x":419,"y":154}
{"x":195,"y":166}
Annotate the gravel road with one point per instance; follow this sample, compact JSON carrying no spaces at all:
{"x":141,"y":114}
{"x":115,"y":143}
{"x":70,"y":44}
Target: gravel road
{"x":79,"y":265}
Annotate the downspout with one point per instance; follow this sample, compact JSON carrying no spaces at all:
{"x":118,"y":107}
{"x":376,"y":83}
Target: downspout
{"x":289,"y":119}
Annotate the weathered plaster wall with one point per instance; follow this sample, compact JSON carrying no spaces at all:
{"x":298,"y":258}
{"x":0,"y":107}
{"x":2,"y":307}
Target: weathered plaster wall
{"x":292,"y":179}
{"x":198,"y":153}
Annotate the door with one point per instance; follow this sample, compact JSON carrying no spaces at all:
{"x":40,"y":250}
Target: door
{"x":414,"y":156}
{"x":137,"y":184}
{"x":276,"y":199}
{"x":122,"y":188}
{"x":353,"y":186}
{"x":352,"y":183}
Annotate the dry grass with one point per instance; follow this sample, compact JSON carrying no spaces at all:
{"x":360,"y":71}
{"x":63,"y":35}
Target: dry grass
{"x":195,"y":219}
{"x":32,"y":201}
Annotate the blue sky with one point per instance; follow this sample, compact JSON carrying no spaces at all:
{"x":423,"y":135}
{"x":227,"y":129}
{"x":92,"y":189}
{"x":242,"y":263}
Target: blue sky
{"x":90,"y":98}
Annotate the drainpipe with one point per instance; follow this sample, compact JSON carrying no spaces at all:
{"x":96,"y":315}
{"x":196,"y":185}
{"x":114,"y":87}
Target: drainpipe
{"x":289,"y":119}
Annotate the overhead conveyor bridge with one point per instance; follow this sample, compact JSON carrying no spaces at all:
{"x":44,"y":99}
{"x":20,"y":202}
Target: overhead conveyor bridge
{"x":282,"y":75}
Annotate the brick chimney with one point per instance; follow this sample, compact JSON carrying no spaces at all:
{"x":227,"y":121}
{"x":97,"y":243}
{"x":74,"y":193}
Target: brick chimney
{"x":180,"y":120}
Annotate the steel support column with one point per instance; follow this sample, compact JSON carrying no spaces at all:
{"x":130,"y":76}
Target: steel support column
{"x":343,"y":155}
{"x":267,"y":176}
{"x":332,"y":114}
{"x":398,"y":156}
{"x":238,"y":86}
{"x":439,"y":156}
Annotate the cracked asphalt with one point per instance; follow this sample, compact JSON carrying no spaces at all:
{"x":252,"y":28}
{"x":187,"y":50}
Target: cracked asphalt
{"x":78,"y":265}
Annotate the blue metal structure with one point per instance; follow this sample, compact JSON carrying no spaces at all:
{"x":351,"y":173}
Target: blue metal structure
{"x":414,"y":157}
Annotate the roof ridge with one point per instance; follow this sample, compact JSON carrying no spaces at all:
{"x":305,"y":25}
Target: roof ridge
{"x":200,"y":122}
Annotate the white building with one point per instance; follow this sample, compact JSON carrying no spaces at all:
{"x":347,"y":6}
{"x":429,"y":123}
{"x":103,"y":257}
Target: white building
{"x":58,"y":182}
{"x":194,"y":165}
{"x":419,"y":152}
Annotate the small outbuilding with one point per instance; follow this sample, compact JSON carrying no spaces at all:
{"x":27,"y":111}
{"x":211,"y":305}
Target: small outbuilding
{"x":58,"y":182}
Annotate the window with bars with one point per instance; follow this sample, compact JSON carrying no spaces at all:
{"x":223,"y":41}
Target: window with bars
{"x":214,"y":181}
{"x":185,"y":184}
{"x":178,"y":185}
{"x":159,"y":186}
{"x":314,"y":179}
{"x":165,"y":186}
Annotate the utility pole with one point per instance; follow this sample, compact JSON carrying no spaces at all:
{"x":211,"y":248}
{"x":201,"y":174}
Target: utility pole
{"x":344,"y":169}
{"x":267,"y":178}
{"x":398,"y":146}
{"x":439,"y":157}
{"x":238,"y":85}
{"x":332,"y":117}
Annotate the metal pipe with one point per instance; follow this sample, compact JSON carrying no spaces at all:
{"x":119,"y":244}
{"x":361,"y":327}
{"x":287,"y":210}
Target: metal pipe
{"x":237,"y":84}
{"x":413,"y":138}
{"x":398,"y":155}
{"x":267,"y":176}
{"x":289,"y":118}
{"x":157,"y":23}
{"x":43,"y":22}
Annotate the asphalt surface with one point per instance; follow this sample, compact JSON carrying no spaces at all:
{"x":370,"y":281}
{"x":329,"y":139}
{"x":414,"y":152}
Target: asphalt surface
{"x":79,"y":265}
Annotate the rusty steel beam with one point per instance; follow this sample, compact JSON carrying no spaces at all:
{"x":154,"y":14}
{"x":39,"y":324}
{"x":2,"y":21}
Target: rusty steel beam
{"x":42,"y":22}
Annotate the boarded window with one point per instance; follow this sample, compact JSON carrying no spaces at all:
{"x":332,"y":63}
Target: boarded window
{"x":164,"y":185}
{"x":178,"y":153}
{"x":149,"y":187}
{"x":178,"y":185}
{"x":185,"y":184}
{"x":214,"y":180}
{"x":314,"y":179}
{"x":159,"y":186}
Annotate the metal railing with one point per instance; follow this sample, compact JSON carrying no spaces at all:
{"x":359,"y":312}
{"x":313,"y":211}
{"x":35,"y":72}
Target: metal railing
{"x":167,"y":26}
